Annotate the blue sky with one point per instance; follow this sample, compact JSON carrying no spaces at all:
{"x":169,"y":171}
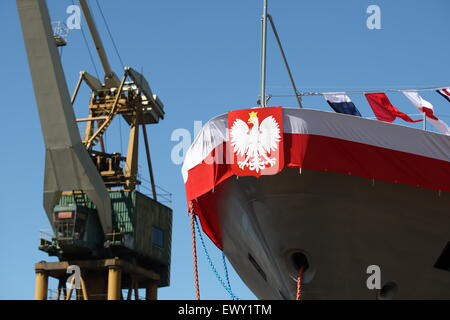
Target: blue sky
{"x":202,"y":58}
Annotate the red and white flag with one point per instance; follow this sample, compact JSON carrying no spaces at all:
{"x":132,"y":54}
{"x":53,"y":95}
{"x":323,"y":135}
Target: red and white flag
{"x":426,"y":107}
{"x":256,"y":141}
{"x":445,"y":93}
{"x":384,"y":110}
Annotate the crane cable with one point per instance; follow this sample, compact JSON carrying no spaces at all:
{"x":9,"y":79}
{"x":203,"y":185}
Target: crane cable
{"x":121,"y":62}
{"x":89,"y":50}
{"x":194,"y":250}
{"x":110,"y":34}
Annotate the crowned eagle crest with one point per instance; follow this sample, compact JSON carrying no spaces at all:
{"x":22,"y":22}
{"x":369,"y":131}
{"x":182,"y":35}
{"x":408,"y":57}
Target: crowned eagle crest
{"x":256,"y":143}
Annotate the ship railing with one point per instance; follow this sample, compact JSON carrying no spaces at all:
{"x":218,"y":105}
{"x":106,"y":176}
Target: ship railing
{"x":409,"y":114}
{"x":426,"y":126}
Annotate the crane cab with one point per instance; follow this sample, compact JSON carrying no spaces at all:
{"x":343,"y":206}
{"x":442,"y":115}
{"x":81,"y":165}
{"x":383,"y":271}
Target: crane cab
{"x":77,"y":230}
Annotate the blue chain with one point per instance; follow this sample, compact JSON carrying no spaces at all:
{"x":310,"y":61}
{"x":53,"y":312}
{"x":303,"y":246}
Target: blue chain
{"x":226,"y":269}
{"x":227,"y":287}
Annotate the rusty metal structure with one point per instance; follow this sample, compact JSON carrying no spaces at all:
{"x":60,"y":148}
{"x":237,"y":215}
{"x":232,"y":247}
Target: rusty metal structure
{"x":119,"y":237}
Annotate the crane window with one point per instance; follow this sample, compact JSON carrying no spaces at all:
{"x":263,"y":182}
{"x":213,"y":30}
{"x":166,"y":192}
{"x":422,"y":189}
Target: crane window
{"x":158,"y":237}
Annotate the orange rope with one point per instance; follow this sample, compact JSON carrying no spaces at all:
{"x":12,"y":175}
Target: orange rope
{"x":194,"y":251}
{"x":299,"y":283}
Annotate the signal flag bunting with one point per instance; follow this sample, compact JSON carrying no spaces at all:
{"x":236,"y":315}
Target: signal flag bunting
{"x":384,"y":110}
{"x":426,"y":107}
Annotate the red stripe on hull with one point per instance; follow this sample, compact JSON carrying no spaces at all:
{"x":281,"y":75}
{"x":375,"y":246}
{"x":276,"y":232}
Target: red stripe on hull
{"x":326,"y":154}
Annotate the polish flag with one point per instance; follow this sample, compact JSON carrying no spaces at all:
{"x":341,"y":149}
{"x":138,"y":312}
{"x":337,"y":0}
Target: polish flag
{"x":384,"y":110}
{"x":426,"y":107}
{"x":445,"y":93}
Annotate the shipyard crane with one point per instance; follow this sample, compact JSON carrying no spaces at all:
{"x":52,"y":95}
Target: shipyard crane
{"x":117,"y":236}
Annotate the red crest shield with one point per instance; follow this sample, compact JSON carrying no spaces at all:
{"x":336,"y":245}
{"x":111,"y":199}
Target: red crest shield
{"x":255,"y":141}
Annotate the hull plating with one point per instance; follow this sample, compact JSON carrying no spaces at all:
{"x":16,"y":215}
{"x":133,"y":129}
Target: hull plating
{"x":343,"y":224}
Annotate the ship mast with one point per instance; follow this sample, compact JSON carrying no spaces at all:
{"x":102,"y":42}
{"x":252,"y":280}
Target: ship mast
{"x":263,"y":98}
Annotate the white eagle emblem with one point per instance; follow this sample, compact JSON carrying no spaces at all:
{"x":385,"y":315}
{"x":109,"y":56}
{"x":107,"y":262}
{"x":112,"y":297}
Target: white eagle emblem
{"x":256,"y":143}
